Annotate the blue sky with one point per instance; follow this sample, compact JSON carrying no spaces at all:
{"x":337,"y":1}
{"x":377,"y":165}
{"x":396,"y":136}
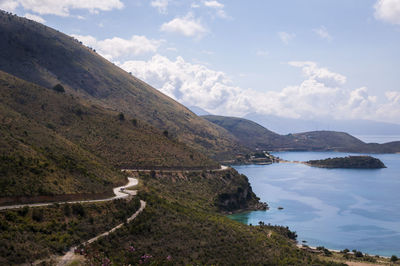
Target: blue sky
{"x":295,"y":58}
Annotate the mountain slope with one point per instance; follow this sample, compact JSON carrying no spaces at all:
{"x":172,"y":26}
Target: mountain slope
{"x":53,"y":143}
{"x":284,"y":125}
{"x":44,"y":56}
{"x":255,"y":136}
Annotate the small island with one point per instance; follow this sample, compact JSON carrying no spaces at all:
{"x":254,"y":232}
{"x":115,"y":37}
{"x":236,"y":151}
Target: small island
{"x":356,"y":162}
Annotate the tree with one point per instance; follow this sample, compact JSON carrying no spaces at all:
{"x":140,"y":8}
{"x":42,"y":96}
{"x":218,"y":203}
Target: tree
{"x":165,"y":132}
{"x":394,"y":258}
{"x":59,"y":88}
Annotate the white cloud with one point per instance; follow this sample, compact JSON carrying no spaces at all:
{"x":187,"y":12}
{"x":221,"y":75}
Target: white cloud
{"x":286,"y":37}
{"x":62,"y":7}
{"x":320,"y":94}
{"x":194,"y":5}
{"x":323,"y":33}
{"x":390,"y":110}
{"x":322,"y":75}
{"x":35,"y":18}
{"x":388,"y":11}
{"x":219,"y":8}
{"x":187,"y":26}
{"x":117,"y":47}
{"x":213,"y":4}
{"x":8,"y":5}
{"x":161,"y":5}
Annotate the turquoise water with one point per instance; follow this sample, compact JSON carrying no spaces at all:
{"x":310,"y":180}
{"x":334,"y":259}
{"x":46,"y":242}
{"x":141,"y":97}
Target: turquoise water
{"x":335,"y":208}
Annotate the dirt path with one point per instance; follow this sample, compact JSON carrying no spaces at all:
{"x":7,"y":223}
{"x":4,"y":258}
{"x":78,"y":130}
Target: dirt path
{"x":222,"y":168}
{"x":70,"y":255}
{"x":119,"y":192}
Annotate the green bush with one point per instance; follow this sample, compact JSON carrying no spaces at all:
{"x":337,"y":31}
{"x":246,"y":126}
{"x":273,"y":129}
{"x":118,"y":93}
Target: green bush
{"x":59,"y":88}
{"x":37,"y":215}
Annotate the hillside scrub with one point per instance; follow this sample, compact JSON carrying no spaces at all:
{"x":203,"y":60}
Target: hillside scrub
{"x":182,"y":225}
{"x":29,"y":234}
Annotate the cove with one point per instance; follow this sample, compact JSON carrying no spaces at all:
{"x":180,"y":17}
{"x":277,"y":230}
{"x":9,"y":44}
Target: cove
{"x":335,"y":208}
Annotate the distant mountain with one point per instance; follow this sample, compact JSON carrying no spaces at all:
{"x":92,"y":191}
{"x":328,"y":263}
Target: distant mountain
{"x":39,"y":54}
{"x":284,"y":125}
{"x":198,"y":110}
{"x":257,"y":137}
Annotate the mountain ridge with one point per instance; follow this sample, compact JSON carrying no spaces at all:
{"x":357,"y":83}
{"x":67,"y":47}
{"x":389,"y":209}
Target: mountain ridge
{"x":258,"y":137}
{"x":44,"y":56}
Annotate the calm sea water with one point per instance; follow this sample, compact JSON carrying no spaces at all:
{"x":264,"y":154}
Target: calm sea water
{"x":335,"y":208}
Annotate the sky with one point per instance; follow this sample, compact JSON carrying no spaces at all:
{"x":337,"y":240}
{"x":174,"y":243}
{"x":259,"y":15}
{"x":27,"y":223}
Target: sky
{"x":309,"y":59}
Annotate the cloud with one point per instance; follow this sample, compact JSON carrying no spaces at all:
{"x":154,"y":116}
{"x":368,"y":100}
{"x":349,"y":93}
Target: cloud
{"x":116,"y":47}
{"x":213,"y":4}
{"x":8,"y":5}
{"x":322,"y":75}
{"x":219,"y":7}
{"x":390,"y":110}
{"x":161,"y":5}
{"x":286,"y":37}
{"x":388,"y":11}
{"x":187,"y":26}
{"x":35,"y":18}
{"x":61,"y":7}
{"x":322,"y":93}
{"x":323,"y":33}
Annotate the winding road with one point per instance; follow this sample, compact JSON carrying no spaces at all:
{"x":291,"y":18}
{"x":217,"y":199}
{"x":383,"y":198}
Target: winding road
{"x":119,"y":192}
{"x":70,"y":255}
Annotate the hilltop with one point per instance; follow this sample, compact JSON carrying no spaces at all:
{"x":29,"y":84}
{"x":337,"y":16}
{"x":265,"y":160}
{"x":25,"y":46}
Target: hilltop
{"x":44,"y":56}
{"x":255,"y":136}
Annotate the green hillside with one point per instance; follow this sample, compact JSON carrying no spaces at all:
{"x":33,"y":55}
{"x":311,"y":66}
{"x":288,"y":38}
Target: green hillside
{"x":54,"y":143}
{"x":44,"y":56}
{"x":255,"y":136}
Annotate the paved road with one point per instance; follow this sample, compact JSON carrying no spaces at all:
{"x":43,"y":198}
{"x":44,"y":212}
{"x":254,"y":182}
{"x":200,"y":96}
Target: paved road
{"x":119,"y":192}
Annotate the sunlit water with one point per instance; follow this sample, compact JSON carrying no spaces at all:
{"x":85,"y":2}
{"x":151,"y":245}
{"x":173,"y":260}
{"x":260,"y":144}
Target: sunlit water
{"x":335,"y":208}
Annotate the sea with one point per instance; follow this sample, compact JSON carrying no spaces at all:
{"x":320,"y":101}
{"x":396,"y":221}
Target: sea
{"x":335,"y":208}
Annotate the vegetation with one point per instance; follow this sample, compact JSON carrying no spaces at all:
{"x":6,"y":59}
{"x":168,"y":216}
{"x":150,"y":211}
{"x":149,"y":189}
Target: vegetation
{"x":365,"y":162}
{"x":29,"y":234}
{"x":47,"y":57}
{"x":55,"y":144}
{"x":181,"y":225}
{"x":59,"y":88}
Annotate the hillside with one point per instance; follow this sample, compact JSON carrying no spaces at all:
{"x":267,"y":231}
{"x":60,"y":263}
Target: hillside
{"x":255,"y":136}
{"x":56,"y":144}
{"x":39,"y":54}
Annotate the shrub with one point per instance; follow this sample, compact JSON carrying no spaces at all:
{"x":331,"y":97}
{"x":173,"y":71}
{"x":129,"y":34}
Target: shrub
{"x":358,"y":254}
{"x":67,"y":210}
{"x":77,"y":209}
{"x":59,"y":88}
{"x":346,"y":250}
{"x":121,"y":117}
{"x":37,"y":215}
{"x":24,"y":211}
{"x":394,"y":258}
